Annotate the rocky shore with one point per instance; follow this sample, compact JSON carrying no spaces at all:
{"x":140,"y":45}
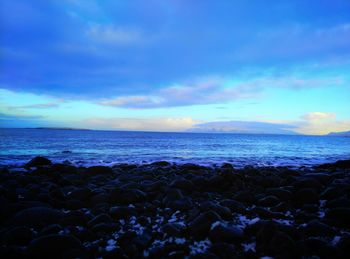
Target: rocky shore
{"x":164,"y":210}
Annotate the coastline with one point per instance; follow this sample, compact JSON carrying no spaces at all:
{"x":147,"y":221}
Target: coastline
{"x":171,"y":210}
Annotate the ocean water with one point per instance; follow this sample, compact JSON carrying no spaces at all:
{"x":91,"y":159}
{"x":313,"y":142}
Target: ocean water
{"x":88,"y":147}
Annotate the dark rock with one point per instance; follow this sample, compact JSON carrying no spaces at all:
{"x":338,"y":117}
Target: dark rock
{"x":224,"y":212}
{"x":330,"y":193}
{"x":306,"y":195}
{"x":183,"y":184}
{"x":339,"y":216}
{"x":143,"y":240}
{"x":302,"y":183}
{"x":102,"y":218}
{"x":317,"y":228}
{"x":343,"y":247}
{"x":318,"y":247}
{"x":172,"y":195}
{"x":80,"y":194}
{"x":20,"y":236}
{"x":99,"y":170}
{"x":225,"y":233}
{"x":127,"y":196}
{"x":201,"y":225}
{"x":183,"y":204}
{"x":161,"y":163}
{"x":234,"y":206}
{"x":224,"y":250}
{"x":52,"y":246}
{"x":268,"y":201}
{"x":280,"y":193}
{"x":38,"y":216}
{"x":171,"y":229}
{"x":103,"y":228}
{"x":244,"y":196}
{"x":38,"y":161}
{"x":340,"y":202}
{"x":50,"y":229}
{"x":122,"y":212}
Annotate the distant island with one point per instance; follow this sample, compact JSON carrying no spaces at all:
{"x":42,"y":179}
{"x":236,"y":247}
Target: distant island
{"x":58,"y":128}
{"x":341,"y":134}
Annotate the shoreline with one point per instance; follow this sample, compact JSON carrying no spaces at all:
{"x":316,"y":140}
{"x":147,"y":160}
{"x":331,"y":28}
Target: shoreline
{"x":164,"y":210}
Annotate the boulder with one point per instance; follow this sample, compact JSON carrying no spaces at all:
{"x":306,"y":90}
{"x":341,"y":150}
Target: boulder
{"x":225,"y":233}
{"x":37,"y":216}
{"x":201,"y":225}
{"x":38,"y":161}
{"x":52,"y":246}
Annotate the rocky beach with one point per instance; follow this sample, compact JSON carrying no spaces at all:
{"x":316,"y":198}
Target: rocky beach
{"x":167,"y":210}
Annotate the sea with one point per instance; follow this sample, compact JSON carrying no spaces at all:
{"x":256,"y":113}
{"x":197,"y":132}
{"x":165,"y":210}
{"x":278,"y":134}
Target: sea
{"x":92,"y":147}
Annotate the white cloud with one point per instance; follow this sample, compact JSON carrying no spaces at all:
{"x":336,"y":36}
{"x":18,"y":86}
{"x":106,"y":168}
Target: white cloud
{"x":320,"y":123}
{"x":211,"y":90}
{"x":111,"y":34}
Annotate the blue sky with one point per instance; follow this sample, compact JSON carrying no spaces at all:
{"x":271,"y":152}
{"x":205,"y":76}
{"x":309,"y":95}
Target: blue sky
{"x":176,"y":65}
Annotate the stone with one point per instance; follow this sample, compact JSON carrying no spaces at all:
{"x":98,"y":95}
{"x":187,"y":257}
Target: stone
{"x":225,"y":233}
{"x":102,"y":218}
{"x":99,"y":170}
{"x":38,"y":216}
{"x":20,"y":236}
{"x":52,"y":246}
{"x":339,"y":216}
{"x":122,"y":212}
{"x":201,"y":224}
{"x":306,"y":195}
{"x":280,"y":193}
{"x":317,"y":228}
{"x":183,"y":184}
{"x":268,"y":201}
{"x":38,"y":161}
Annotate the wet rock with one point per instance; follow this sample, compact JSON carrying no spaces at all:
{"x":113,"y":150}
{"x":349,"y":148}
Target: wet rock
{"x":280,"y":193}
{"x":172,"y":195}
{"x":268,"y":201}
{"x":330,"y":193}
{"x":161,"y":163}
{"x":343,"y":246}
{"x":50,"y":229}
{"x":340,"y":202}
{"x":98,"y":170}
{"x":80,"y":194}
{"x":225,"y":233}
{"x":172,"y":229}
{"x":244,"y":196}
{"x":339,"y":216}
{"x":38,"y":216}
{"x":127,"y":196}
{"x":233,"y":205}
{"x":201,"y":225}
{"x":224,"y":250}
{"x":102,"y":218}
{"x":302,"y":183}
{"x":20,"y":236}
{"x":224,"y":212}
{"x":183,"y":184}
{"x":38,"y":161}
{"x":306,"y":195}
{"x":52,"y":246}
{"x":318,"y":247}
{"x":122,"y":212}
{"x":317,"y":228}
{"x":183,"y":204}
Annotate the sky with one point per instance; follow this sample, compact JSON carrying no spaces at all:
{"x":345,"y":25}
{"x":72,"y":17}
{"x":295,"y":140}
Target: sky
{"x":246,"y":66}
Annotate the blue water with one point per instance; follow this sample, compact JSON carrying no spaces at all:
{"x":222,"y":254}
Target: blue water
{"x":17,"y":146}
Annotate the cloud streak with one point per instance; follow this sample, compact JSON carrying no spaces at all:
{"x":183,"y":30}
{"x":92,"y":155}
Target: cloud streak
{"x":214,"y":90}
